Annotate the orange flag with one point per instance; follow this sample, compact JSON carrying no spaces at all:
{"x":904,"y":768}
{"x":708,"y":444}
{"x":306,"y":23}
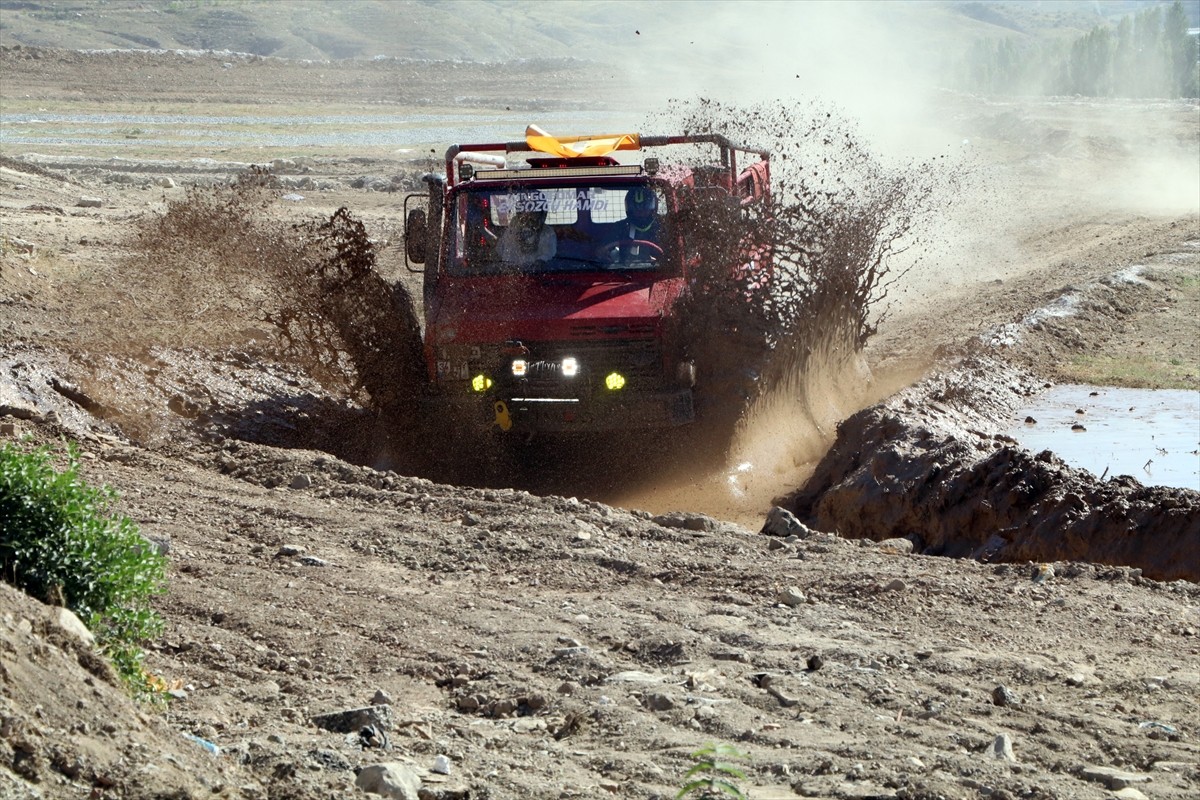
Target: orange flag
{"x":575,"y":146}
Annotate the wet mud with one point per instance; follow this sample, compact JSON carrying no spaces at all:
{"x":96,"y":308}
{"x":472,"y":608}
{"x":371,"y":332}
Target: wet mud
{"x":928,"y":465}
{"x":798,"y":284}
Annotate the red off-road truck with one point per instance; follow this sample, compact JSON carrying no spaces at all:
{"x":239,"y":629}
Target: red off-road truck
{"x":552,"y":270}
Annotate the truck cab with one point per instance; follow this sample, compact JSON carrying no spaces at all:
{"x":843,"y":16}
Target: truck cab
{"x":551,"y":281}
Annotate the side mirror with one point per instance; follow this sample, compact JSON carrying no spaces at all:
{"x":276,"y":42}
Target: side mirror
{"x":416,"y":236}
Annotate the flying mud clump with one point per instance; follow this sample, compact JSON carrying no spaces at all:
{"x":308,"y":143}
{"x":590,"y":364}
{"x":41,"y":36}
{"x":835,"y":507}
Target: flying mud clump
{"x":340,"y":304}
{"x":837,"y":219}
{"x":229,"y":264}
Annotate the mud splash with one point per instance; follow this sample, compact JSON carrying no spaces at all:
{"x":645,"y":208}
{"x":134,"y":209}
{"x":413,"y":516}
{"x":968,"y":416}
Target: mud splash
{"x":774,"y":447}
{"x":788,"y":364}
{"x":335,"y":302}
{"x":789,"y":357}
{"x":308,"y":294}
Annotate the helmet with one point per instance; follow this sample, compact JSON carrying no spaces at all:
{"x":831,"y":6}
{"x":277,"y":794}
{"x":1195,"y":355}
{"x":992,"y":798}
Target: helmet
{"x":641,"y":204}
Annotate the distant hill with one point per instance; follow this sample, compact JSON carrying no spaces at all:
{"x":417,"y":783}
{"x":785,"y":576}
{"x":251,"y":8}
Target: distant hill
{"x":480,"y":30}
{"x":1054,"y":19}
{"x":497,"y":30}
{"x":881,"y":61}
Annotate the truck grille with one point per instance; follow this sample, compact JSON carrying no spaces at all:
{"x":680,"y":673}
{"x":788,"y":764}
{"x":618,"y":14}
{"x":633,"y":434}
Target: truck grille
{"x":635,"y":329}
{"x":639,"y":360}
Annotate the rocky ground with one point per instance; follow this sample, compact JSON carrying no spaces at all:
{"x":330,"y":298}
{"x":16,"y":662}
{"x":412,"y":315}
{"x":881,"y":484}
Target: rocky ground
{"x":509,"y":643}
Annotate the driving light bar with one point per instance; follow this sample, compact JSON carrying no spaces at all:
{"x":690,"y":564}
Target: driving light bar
{"x":557,"y":172}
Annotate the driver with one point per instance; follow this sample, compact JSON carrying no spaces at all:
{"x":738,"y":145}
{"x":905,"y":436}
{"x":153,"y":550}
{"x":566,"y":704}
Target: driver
{"x":641,"y":215}
{"x":528,"y":239}
{"x":638,"y":237}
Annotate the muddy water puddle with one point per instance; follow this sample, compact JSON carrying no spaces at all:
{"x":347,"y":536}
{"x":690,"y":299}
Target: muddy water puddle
{"x":1151,"y":434}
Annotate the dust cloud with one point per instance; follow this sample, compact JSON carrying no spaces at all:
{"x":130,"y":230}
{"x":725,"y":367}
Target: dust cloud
{"x":876,"y":62}
{"x":841,"y":72}
{"x":887,"y":66}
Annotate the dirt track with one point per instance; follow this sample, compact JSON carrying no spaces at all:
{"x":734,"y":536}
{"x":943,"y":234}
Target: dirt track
{"x":554,"y":646}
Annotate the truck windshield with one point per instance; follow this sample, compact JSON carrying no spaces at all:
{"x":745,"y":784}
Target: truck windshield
{"x":513,"y":228}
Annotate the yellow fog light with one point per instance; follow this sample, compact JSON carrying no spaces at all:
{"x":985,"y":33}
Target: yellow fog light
{"x":570,"y":367}
{"x":614,"y":381}
{"x":481,"y":383}
{"x":519,"y":367}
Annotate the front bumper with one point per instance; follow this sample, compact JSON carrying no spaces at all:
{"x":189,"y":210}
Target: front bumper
{"x":524,"y":415}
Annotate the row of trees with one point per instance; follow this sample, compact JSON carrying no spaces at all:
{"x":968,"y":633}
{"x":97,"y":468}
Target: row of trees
{"x":1149,"y":54}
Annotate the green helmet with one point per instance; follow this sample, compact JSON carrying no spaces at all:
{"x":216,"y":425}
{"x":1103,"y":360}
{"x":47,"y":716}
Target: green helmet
{"x":641,"y":204}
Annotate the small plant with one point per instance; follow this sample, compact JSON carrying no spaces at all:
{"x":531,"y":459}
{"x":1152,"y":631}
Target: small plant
{"x":60,"y":543}
{"x":713,"y":774}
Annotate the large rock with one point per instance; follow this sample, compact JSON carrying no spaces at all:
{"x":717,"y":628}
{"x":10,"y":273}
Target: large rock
{"x":15,"y":403}
{"x":1115,"y":779}
{"x":790,"y":596}
{"x":897,"y":545}
{"x":1002,"y":748}
{"x":73,"y":625}
{"x":391,"y":779}
{"x":781,"y":522}
{"x":687,"y":521}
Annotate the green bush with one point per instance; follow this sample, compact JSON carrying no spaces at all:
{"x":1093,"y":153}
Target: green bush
{"x":713,"y":775}
{"x":60,"y":542}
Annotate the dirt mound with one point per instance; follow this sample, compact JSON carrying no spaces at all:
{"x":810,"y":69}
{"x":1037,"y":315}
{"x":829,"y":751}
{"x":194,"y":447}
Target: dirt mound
{"x":29,"y":169}
{"x":549,"y":642}
{"x":86,"y":734}
{"x":924,"y":466}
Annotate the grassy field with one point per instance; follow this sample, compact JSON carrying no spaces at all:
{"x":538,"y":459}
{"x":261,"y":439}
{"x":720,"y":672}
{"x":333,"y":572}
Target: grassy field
{"x":1159,"y":351}
{"x":1153,"y":370}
